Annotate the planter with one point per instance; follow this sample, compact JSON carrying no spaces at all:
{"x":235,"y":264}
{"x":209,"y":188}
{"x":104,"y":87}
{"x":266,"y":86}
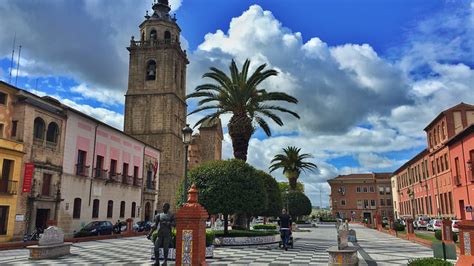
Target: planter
{"x":246,"y":241}
{"x":172,"y":253}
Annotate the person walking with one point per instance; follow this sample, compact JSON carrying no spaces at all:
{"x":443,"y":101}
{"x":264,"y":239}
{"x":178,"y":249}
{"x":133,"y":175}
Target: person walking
{"x":165,"y":221}
{"x":284,"y":221}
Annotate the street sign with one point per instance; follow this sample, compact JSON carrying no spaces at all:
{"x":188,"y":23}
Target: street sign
{"x":469,"y":208}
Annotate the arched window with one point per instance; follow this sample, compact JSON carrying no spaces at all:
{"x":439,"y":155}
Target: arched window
{"x":151,"y":70}
{"x":39,"y":128}
{"x":76,"y":213}
{"x":122,"y":209}
{"x":153,"y":35}
{"x":52,"y":133}
{"x":134,"y":206}
{"x":95,"y":208}
{"x":110,"y":208}
{"x":167,"y":37}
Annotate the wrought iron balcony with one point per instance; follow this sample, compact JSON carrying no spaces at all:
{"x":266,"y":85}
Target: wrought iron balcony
{"x":100,"y":173}
{"x":82,"y":170}
{"x":8,"y":187}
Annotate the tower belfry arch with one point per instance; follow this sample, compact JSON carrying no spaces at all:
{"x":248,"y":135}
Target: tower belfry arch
{"x":155,"y":105}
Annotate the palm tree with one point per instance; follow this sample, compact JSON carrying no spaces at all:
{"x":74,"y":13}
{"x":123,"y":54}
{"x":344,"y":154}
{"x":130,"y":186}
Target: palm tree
{"x":292,"y":163}
{"x":239,"y":95}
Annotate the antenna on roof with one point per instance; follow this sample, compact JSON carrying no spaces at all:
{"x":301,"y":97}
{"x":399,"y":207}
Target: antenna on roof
{"x":18,"y":65}
{"x":11,"y":62}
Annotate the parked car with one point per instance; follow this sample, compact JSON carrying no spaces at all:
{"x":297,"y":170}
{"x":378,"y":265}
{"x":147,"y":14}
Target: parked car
{"x":434,"y":225}
{"x":402,"y":222}
{"x":421,"y":222}
{"x":455,"y":226}
{"x":142,"y":226}
{"x":95,"y":228}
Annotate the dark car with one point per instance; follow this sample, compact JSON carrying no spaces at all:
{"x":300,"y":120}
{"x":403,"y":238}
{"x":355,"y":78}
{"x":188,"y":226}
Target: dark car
{"x":142,"y":226}
{"x":96,"y":228}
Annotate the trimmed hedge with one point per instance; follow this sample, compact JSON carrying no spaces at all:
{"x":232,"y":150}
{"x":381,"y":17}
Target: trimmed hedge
{"x":439,"y":236}
{"x":328,"y":220}
{"x":244,"y":233}
{"x":428,"y":262}
{"x":398,"y":227}
{"x":265,"y":227}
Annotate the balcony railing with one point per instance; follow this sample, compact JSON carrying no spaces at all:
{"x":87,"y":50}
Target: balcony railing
{"x":155,"y":43}
{"x":8,"y":187}
{"x":116,"y":177}
{"x":127,"y":179}
{"x":82,"y":170}
{"x":100,"y":174}
{"x":137,"y":182}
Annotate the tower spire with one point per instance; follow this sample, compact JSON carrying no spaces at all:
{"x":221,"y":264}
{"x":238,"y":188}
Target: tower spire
{"x":162,"y":6}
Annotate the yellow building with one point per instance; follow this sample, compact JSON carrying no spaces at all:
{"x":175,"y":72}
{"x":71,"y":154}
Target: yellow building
{"x":11,"y":157}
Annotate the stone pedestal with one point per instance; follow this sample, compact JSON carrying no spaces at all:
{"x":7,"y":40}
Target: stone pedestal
{"x":343,"y":257}
{"x":50,"y":245}
{"x":447,"y":231}
{"x":191,"y":231}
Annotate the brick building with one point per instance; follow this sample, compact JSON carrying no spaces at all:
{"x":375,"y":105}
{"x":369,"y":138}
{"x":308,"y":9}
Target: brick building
{"x":426,"y":184}
{"x":361,"y":196}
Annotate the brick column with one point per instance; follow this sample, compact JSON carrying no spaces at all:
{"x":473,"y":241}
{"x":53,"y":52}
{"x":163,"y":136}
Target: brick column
{"x":191,"y":231}
{"x":466,"y":238}
{"x":410,"y":229}
{"x":129,"y":226}
{"x":447,"y":231}
{"x":378,"y":222}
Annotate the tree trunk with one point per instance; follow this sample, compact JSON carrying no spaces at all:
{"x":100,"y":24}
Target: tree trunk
{"x":240,"y":130}
{"x":292,"y":182}
{"x":226,"y":224}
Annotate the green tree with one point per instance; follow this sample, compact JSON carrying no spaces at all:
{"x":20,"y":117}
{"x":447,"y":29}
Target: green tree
{"x":298,"y":203}
{"x":292,"y":163}
{"x":229,"y":187}
{"x":239,"y":95}
{"x":274,"y":202}
{"x":284,"y":186}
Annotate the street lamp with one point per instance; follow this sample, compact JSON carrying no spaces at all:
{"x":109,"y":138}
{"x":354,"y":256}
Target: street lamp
{"x":187,"y":135}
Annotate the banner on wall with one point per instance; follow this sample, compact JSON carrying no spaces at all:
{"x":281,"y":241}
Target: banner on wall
{"x":28,"y":178}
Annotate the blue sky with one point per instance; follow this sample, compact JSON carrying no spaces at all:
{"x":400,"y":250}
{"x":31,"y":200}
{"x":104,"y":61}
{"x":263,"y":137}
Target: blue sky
{"x":369,"y":74}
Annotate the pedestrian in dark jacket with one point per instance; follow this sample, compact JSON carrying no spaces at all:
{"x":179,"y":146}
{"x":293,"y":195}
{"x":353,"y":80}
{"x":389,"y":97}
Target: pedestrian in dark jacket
{"x":284,"y":221}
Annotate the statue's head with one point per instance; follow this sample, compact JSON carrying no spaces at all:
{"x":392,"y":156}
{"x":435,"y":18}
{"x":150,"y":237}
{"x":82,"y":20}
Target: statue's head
{"x":283,"y":211}
{"x":166,"y":207}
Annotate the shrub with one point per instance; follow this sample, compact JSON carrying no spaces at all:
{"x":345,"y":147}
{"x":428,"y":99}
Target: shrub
{"x":439,"y":236}
{"x":274,"y":202}
{"x":328,"y":220}
{"x":265,"y":226}
{"x":298,"y":203}
{"x":428,"y":262}
{"x":398,"y":227}
{"x":244,"y":233}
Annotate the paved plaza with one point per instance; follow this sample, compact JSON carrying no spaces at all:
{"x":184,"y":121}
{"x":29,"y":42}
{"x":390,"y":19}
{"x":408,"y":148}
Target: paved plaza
{"x":310,"y":249}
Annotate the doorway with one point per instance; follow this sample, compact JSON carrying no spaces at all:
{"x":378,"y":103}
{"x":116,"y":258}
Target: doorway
{"x":42,"y":216}
{"x":368,"y":216}
{"x":462,"y":209}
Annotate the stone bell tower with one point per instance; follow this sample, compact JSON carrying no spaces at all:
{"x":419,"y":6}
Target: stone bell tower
{"x":155,"y":106}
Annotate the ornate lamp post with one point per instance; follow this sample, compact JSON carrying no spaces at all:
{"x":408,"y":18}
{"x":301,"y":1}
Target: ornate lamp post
{"x":187,"y":135}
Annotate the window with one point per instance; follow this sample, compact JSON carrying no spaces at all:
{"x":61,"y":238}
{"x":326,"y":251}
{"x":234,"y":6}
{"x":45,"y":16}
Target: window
{"x":149,"y":179}
{"x":437,"y":166}
{"x":46,"y":185}
{"x":113,"y":167}
{"x":38,"y":130}
{"x":389,"y":202}
{"x":153,"y":35}
{"x":372,"y":203}
{"x":110,"y":209}
{"x":358,"y":189}
{"x":6,"y":175}
{"x":382,"y":202}
{"x":366,"y":204}
{"x":81,"y":162}
{"x":14,"y":127}
{"x":151,"y":70}
{"x":52,"y":133}
{"x":343,"y":202}
{"x":387,"y":190}
{"x":167,"y":36}
{"x":371,"y":189}
{"x":359,"y":204}
{"x":134,"y":206}
{"x":135,"y":173}
{"x":381,"y":190}
{"x":1,"y":130}
{"x":446,"y":165}
{"x":99,"y":165}
{"x":76,"y":213}
{"x":471,"y":155}
{"x":95,"y":208}
{"x":122,"y":209}
{"x":3,"y":98}
{"x":457,"y":169}
{"x":125,"y":169}
{"x":450,"y":200}
{"x":365,"y":189}
{"x":4,"y":219}
{"x":433,"y":168}
{"x":443,"y":136}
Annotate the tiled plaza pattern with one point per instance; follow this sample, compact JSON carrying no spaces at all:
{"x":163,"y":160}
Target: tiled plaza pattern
{"x":310,"y":249}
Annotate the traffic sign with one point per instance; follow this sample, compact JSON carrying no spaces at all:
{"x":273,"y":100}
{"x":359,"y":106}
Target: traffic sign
{"x":469,"y":208}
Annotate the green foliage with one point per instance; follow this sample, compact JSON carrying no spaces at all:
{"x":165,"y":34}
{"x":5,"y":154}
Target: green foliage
{"x":428,"y":262}
{"x":245,"y":233}
{"x":229,"y":187}
{"x":328,"y":220}
{"x":439,"y":236}
{"x":284,"y":186}
{"x":210,"y":236}
{"x":298,"y":203}
{"x":398,"y":227}
{"x":274,"y":202}
{"x":264,"y":227}
{"x":292,"y":163}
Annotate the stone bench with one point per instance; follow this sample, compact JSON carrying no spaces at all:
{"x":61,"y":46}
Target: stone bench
{"x":38,"y":252}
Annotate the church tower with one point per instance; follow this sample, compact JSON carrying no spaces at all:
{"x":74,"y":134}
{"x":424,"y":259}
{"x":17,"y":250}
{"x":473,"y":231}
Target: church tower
{"x":155,"y":106}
